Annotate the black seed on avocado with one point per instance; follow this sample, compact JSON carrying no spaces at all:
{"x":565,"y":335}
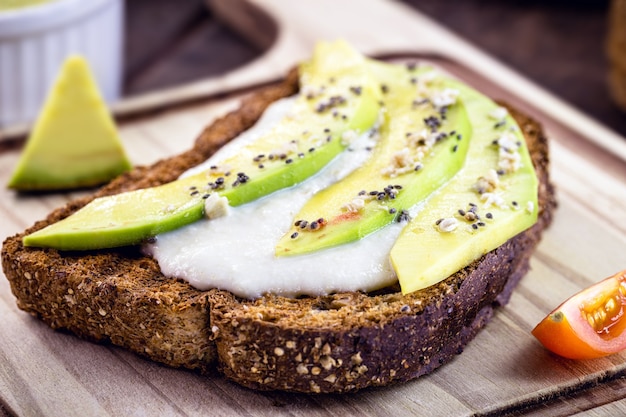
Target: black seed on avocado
{"x":403,"y":216}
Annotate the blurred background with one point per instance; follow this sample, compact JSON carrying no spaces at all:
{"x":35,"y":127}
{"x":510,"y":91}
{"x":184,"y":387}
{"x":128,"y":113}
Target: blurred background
{"x":560,"y":45}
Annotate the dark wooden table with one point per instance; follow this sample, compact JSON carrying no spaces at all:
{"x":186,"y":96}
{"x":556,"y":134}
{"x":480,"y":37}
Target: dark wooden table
{"x":558,"y":44}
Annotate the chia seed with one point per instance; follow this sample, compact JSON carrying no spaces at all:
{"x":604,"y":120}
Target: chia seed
{"x":403,"y":216}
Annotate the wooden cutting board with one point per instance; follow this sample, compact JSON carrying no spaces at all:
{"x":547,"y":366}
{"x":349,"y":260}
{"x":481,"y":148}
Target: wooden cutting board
{"x":503,"y":370}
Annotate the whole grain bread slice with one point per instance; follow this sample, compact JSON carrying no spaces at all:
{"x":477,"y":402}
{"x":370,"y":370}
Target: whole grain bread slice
{"x":336,"y":343}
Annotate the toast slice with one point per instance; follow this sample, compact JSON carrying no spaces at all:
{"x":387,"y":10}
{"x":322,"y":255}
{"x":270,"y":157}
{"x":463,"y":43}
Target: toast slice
{"x":336,"y":343}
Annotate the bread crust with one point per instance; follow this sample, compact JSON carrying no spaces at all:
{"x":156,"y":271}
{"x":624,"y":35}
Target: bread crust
{"x":120,"y":295}
{"x":337,"y":343}
{"x":349,"y":341}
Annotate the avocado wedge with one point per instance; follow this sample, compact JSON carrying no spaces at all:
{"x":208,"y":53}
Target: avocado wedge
{"x":423,"y":142}
{"x":490,"y":200}
{"x":74,"y":142}
{"x":338,"y":95}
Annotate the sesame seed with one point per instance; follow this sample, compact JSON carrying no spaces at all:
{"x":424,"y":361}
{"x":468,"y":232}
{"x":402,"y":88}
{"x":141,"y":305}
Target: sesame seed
{"x":470,"y":216}
{"x":447,"y":225}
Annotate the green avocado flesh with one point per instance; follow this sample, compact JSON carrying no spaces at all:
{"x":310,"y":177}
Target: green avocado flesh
{"x":131,"y":216}
{"x":74,"y":142}
{"x":338,"y":95}
{"x":445,"y":154}
{"x":421,"y":147}
{"x":483,"y":206}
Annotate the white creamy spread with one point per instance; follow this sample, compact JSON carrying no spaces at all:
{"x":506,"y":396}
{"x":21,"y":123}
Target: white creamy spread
{"x":235,"y":252}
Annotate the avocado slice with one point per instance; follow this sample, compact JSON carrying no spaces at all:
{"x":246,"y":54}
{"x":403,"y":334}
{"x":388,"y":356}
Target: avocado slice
{"x":338,"y":95}
{"x":492,"y":198}
{"x":74,"y":142}
{"x":423,"y":142}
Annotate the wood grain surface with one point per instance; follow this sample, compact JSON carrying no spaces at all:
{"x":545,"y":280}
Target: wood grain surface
{"x":504,"y":370}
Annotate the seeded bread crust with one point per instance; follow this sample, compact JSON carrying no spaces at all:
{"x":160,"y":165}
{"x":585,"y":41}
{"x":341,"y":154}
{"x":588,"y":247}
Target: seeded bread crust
{"x":121,"y":296}
{"x":349,"y":341}
{"x":338,"y":343}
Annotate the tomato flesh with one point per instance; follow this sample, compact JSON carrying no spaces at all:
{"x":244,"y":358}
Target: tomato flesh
{"x":590,"y":324}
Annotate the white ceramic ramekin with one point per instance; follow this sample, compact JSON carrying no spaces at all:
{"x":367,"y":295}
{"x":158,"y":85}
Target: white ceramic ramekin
{"x":34,"y":42}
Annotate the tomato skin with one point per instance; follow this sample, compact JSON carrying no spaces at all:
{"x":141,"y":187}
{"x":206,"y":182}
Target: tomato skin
{"x":566,"y":331}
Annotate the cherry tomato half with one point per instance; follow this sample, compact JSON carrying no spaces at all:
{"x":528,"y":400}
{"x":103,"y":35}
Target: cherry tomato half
{"x":590,"y":324}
